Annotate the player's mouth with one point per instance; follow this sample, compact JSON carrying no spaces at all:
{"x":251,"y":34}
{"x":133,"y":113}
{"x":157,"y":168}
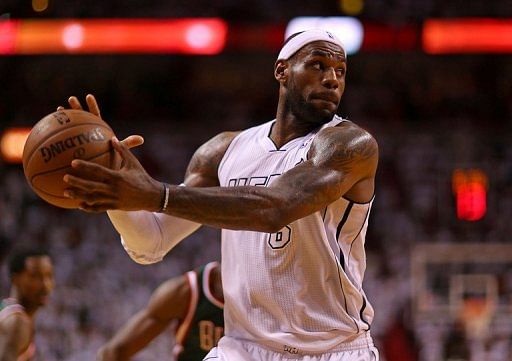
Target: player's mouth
{"x":326,"y":97}
{"x":43,"y":298}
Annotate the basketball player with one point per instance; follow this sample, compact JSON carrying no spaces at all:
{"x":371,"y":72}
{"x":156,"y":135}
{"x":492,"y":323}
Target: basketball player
{"x":32,"y":281}
{"x":195,"y":300}
{"x":292,"y":196}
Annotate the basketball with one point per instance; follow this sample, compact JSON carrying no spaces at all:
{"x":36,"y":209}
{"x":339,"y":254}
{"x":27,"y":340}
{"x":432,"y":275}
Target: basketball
{"x":54,"y":142}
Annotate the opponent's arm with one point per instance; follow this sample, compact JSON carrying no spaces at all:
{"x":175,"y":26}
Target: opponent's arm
{"x":339,"y":160}
{"x":15,"y":334}
{"x":169,"y":302}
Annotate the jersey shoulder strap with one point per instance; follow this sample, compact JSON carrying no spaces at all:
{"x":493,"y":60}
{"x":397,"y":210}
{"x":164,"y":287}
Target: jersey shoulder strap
{"x":206,"y":291}
{"x":184,"y":327}
{"x":10,"y":306}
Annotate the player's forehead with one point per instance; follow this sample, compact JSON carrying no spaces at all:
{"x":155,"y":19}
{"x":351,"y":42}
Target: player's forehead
{"x":323,"y":49}
{"x":38,"y":264}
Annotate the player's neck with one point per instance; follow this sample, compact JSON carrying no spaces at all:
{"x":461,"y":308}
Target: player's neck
{"x":289,"y":126}
{"x":29,"y":310}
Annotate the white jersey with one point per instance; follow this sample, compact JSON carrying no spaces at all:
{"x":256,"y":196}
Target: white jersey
{"x":9,"y":307}
{"x":302,"y":287}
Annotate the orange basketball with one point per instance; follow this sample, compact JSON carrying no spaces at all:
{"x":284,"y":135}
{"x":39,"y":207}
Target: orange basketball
{"x":54,"y":142}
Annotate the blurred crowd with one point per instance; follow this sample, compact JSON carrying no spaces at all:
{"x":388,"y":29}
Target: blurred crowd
{"x":396,"y":11}
{"x":430,"y":116}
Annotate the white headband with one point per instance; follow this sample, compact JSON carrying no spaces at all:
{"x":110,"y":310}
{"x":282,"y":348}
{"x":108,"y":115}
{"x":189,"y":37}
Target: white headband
{"x":306,"y":37}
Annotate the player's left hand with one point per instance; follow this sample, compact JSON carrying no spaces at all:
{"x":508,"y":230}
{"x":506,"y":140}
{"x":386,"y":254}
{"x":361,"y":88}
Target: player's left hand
{"x":131,"y":142}
{"x":92,"y":104}
{"x":99,"y":188}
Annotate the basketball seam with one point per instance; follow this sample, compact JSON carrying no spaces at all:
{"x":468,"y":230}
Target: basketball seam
{"x":57,"y":169}
{"x":60,"y":130}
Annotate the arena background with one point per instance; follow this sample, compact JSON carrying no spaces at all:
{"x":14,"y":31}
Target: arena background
{"x":439,"y":273}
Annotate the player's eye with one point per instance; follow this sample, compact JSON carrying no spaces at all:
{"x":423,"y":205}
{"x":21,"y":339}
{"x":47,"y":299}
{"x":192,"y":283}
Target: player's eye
{"x":316,"y":65}
{"x":340,"y":71}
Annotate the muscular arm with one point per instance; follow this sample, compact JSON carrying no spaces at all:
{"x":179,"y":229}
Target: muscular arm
{"x":169,"y":302}
{"x":148,"y":236}
{"x":15,"y":335}
{"x":341,"y":160}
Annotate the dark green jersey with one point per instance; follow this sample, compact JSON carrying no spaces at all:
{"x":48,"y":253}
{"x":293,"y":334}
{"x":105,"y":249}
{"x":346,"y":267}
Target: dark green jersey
{"x":203,"y":325}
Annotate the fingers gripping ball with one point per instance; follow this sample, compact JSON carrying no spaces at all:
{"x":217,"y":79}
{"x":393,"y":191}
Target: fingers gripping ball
{"x":54,"y":142}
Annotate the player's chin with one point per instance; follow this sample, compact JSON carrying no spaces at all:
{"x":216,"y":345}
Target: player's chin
{"x":42,"y":300}
{"x":324,"y":111}
{"x":324,"y":115}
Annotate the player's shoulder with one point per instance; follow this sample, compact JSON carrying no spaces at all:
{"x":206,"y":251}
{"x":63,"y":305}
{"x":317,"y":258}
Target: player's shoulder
{"x":171,"y":299}
{"x":202,"y":169}
{"x":223,"y":138}
{"x":15,"y":323}
{"x":17,"y":329}
{"x":178,"y":286}
{"x":216,"y":146}
{"x":345,"y":143}
{"x":349,"y":129}
{"x":10,"y":307}
{"x":347,"y":134}
{"x":219,"y":144}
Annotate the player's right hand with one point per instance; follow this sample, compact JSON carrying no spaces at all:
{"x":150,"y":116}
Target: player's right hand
{"x":99,"y":188}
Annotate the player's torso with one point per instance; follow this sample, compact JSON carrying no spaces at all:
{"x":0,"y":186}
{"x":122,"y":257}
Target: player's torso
{"x":9,"y":307}
{"x":301,"y":287}
{"x":204,"y":324}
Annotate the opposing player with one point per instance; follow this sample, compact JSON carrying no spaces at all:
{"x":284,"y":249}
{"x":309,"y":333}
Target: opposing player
{"x":195,"y":300}
{"x":292,"y":196}
{"x":32,"y":281}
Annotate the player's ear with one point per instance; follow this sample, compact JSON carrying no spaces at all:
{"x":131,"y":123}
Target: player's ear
{"x":281,"y":70}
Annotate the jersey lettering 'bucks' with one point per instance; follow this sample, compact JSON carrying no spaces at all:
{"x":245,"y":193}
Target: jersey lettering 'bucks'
{"x":302,"y":290}
{"x":203,"y":325}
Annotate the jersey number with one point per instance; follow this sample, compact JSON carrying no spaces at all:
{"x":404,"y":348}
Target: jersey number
{"x":280,"y":239}
{"x":209,"y":335}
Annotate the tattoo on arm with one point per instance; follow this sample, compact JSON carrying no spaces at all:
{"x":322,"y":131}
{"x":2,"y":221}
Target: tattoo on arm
{"x":203,"y":167}
{"x":345,"y":150}
{"x":338,"y":159}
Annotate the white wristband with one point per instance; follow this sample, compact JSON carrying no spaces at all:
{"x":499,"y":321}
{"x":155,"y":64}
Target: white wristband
{"x":165,"y":199}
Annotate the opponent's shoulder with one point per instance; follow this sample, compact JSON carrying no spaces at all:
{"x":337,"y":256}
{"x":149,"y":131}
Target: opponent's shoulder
{"x":345,"y":142}
{"x":18,"y":326}
{"x":15,"y":319}
{"x":174,"y":289}
{"x":171,"y":299}
{"x":202,"y":169}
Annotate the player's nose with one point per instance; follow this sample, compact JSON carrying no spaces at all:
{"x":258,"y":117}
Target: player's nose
{"x":330,"y":80}
{"x":48,"y":284}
